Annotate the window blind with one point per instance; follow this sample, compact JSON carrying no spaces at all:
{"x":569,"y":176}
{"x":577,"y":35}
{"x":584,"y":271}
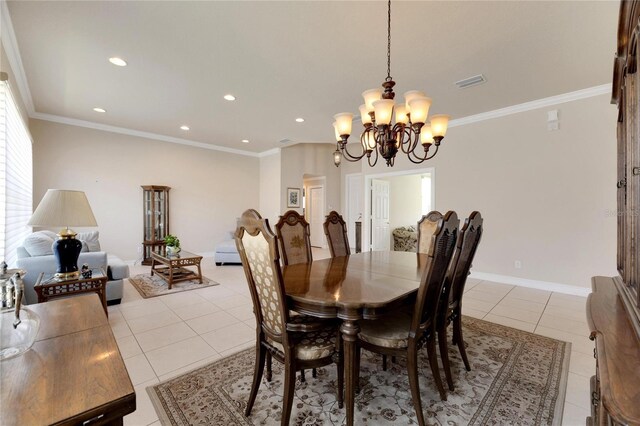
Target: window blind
{"x":16,"y":177}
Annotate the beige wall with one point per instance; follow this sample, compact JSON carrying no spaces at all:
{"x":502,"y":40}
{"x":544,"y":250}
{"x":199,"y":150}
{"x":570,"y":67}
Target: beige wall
{"x":270,"y":171}
{"x":544,"y":194}
{"x":310,"y":159}
{"x":210,"y":189}
{"x":405,"y":200}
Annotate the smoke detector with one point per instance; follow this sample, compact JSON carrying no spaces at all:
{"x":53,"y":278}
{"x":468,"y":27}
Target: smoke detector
{"x":471,"y":81}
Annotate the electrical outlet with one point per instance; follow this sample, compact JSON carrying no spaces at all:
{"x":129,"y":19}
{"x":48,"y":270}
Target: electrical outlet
{"x":517,"y":264}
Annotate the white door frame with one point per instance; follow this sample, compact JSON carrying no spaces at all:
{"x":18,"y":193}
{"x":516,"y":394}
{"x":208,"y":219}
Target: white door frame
{"x":366,"y":217}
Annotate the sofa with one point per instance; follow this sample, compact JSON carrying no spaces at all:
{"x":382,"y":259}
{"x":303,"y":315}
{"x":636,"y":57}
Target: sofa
{"x":227,"y":252}
{"x":36,"y":256}
{"x":405,"y":238}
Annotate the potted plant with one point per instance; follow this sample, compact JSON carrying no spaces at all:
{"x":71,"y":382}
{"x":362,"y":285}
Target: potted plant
{"x":173,"y":244}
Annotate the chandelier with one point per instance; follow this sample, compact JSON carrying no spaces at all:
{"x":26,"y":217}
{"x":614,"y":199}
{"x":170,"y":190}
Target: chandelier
{"x":380,"y":135}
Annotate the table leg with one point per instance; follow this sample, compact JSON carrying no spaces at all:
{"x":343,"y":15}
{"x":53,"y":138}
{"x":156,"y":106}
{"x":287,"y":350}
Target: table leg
{"x":350,"y":330}
{"x":153,"y":265}
{"x":170,"y":275}
{"x":199,"y":273}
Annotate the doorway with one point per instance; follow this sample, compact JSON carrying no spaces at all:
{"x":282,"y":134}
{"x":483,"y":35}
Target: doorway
{"x":410,"y":194}
{"x":315,"y":210}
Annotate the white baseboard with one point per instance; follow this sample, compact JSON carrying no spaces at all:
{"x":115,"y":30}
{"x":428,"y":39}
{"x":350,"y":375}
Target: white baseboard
{"x":540,"y":285}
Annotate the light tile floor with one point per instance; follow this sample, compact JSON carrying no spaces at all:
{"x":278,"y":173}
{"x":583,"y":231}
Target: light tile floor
{"x":163,"y":337}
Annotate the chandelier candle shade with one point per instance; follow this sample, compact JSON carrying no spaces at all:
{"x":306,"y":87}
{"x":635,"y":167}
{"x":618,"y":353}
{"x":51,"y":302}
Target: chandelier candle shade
{"x":412,"y":133}
{"x":64,"y":208}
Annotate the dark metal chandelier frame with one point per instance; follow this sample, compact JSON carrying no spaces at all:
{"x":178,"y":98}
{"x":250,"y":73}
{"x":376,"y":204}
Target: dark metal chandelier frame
{"x":386,"y":140}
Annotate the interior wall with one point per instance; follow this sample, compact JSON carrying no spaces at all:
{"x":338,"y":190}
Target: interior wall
{"x":405,"y":200}
{"x":209,"y":189}
{"x":310,"y":159}
{"x":270,"y":175}
{"x":546,"y":196}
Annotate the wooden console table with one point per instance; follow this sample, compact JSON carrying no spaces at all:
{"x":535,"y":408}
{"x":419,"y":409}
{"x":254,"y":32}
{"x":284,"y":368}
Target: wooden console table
{"x":174,"y":266}
{"x":73,"y":374}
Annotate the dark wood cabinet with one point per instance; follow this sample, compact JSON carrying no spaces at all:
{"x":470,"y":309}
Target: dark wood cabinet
{"x":155,"y":208}
{"x":613,"y":308}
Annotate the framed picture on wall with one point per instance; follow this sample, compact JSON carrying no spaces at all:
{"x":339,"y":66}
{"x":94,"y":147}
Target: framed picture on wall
{"x":293,"y":197}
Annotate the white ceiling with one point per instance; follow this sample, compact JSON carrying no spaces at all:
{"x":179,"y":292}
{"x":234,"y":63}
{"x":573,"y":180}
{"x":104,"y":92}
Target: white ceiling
{"x":284,"y":60}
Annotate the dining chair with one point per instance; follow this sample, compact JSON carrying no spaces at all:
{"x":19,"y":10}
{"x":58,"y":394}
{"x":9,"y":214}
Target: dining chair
{"x":405,"y":332}
{"x":292,"y":341}
{"x":336,"y":231}
{"x":450,"y":310}
{"x":426,"y":227}
{"x":293,"y":233}
{"x":295,"y":243}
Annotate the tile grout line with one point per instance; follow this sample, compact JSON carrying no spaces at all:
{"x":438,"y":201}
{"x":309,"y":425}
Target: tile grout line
{"x":543,"y":311}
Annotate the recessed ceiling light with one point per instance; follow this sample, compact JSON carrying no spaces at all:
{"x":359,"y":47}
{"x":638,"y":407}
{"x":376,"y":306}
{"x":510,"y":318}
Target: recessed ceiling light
{"x":99,"y":109}
{"x":245,"y":140}
{"x":230,"y":97}
{"x":300,"y":120}
{"x":118,"y":61}
{"x":184,"y":127}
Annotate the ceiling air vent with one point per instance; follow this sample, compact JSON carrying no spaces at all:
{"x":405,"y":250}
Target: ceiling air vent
{"x":471,"y":81}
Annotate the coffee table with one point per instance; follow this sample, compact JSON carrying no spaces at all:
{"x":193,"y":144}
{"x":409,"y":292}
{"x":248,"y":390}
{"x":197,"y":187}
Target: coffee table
{"x":174,"y":267}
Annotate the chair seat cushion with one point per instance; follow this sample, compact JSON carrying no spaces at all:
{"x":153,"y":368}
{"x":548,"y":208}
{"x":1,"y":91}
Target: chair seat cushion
{"x":391,"y":331}
{"x":313,"y":345}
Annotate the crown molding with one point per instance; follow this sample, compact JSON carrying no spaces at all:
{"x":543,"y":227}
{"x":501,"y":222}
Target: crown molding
{"x":138,"y":133}
{"x":538,"y":103}
{"x":13,"y":54}
{"x":273,"y":151}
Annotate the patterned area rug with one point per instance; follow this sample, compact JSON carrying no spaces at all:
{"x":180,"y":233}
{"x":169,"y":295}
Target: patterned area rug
{"x":152,"y":286}
{"x":516,"y":378}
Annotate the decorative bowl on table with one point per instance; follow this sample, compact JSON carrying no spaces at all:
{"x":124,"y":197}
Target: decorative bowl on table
{"x":18,"y":325}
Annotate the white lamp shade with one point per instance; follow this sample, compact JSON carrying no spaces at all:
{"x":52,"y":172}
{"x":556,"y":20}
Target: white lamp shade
{"x":335,"y":129}
{"x":369,"y":141}
{"x":364,"y":114}
{"x":343,"y":123}
{"x":370,"y":96}
{"x":383,"y":110}
{"x":401,"y":114}
{"x":426,"y":137}
{"x":411,"y":95}
{"x":62,"y":208}
{"x":419,"y":108}
{"x":439,"y":124}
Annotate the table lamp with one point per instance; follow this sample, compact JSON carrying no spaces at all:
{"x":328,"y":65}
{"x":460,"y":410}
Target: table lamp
{"x":64,"y":208}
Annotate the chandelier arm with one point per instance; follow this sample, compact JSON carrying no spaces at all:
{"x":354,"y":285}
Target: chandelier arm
{"x":375,"y":160}
{"x":417,"y":159}
{"x":410,"y":145}
{"x":351,"y":157}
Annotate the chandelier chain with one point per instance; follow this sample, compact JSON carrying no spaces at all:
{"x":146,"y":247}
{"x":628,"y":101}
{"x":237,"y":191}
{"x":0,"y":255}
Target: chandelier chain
{"x":389,"y":42}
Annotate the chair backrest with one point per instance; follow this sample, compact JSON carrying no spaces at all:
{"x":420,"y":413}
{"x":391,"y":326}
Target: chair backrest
{"x":468,"y":242}
{"x":439,"y":257}
{"x":293,"y":233}
{"x":426,"y":228}
{"x":336,"y":231}
{"x":258,"y":249}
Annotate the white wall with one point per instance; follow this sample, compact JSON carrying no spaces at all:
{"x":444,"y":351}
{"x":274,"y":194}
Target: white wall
{"x":544,"y":194}
{"x":405,"y":200}
{"x":310,"y":159}
{"x":270,"y":177}
{"x":210,"y":189}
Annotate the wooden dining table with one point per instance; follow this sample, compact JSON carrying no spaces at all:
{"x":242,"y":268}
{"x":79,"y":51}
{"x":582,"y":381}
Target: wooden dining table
{"x":360,"y":286}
